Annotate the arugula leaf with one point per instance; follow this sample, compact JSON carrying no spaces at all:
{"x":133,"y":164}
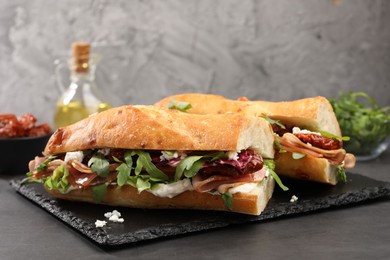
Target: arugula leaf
{"x":132,"y":180}
{"x":98,"y":192}
{"x":270,"y":164}
{"x":362,"y":120}
{"x":128,"y":158}
{"x":272,"y":121}
{"x":116,"y":159}
{"x":124,"y":170}
{"x":142,"y":184}
{"x":185,"y":165}
{"x":228,"y":200}
{"x":145,"y":162}
{"x":100,"y":165}
{"x":190,"y":165}
{"x":139,"y":166}
{"x":123,"y":173}
{"x":341,"y":176}
{"x":330,"y":135}
{"x":193,"y":170}
{"x":42,"y":166}
{"x":179,"y":105}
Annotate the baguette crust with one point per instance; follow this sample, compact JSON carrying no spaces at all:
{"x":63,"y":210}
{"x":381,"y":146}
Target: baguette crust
{"x":315,"y":114}
{"x":252,"y":203}
{"x":147,"y":127}
{"x":306,"y":168}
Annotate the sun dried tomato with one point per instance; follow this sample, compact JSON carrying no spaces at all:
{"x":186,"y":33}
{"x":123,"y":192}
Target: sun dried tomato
{"x":320,"y":141}
{"x":23,"y":126}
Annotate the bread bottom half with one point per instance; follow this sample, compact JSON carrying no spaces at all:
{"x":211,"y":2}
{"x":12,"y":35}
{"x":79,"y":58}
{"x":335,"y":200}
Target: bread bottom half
{"x":306,"y":168}
{"x":252,"y":203}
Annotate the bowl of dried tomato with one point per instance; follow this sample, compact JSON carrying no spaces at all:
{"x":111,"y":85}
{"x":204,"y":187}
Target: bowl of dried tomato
{"x":21,"y":139}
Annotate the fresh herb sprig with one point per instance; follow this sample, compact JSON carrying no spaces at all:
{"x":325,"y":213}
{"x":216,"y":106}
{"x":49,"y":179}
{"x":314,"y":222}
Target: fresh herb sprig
{"x":361,"y":118}
{"x":179,"y":105}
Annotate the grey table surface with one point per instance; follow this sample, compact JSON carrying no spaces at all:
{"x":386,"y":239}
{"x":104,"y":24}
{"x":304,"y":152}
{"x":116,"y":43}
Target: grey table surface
{"x":360,"y":231}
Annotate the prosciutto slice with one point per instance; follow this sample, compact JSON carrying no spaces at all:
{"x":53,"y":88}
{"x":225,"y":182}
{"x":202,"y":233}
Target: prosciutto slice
{"x":203,"y":183}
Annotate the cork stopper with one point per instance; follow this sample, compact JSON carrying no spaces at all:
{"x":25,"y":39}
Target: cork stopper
{"x":81,"y":53}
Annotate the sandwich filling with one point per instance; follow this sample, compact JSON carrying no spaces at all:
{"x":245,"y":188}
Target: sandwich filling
{"x":315,"y":144}
{"x":163,"y":173}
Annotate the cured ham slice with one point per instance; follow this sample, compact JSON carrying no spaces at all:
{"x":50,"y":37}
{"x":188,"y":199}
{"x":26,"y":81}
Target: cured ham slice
{"x":205,"y":184}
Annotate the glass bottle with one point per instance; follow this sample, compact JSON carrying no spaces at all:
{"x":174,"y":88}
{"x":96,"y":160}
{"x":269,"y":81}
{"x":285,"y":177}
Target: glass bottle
{"x":82,"y":97}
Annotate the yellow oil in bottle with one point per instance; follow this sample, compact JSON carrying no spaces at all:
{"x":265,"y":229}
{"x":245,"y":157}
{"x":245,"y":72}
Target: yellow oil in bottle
{"x":103,"y":106}
{"x":66,"y":114}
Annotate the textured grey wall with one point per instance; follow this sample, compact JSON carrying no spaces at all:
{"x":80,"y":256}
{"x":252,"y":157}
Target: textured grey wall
{"x":262,"y":49}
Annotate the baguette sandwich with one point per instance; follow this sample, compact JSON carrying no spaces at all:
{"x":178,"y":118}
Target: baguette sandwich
{"x":307,"y":134}
{"x":145,"y":157}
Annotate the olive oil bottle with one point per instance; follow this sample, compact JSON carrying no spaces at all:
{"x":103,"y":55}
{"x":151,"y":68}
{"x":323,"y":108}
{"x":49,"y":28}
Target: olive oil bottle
{"x":82,"y":97}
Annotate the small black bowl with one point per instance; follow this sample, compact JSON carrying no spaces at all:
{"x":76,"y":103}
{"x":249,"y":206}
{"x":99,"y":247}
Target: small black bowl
{"x":16,"y":153}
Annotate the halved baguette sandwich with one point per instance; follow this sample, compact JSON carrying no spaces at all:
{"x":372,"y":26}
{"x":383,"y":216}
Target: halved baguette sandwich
{"x":307,"y":134}
{"x":145,"y":157}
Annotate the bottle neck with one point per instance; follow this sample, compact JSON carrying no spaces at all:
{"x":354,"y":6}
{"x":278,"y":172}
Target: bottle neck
{"x":81,"y":76}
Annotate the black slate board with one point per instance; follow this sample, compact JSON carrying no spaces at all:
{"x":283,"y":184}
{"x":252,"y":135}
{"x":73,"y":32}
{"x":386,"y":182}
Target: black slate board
{"x":142,"y":224}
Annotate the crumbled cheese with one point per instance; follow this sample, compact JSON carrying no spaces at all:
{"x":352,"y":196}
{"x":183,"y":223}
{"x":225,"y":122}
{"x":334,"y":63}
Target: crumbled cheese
{"x":114,"y":216}
{"x":78,"y":156}
{"x":114,"y":212}
{"x":116,"y":219}
{"x":104,"y":151}
{"x":297,"y":130}
{"x":100,"y":223}
{"x":232,"y":155}
{"x":293,"y":198}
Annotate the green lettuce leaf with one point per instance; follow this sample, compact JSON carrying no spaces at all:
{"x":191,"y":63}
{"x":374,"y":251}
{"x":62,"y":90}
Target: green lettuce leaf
{"x":58,"y":180}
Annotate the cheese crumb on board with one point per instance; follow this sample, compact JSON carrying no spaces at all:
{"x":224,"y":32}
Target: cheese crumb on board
{"x":100,"y":223}
{"x":114,"y":216}
{"x":293,"y":198}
